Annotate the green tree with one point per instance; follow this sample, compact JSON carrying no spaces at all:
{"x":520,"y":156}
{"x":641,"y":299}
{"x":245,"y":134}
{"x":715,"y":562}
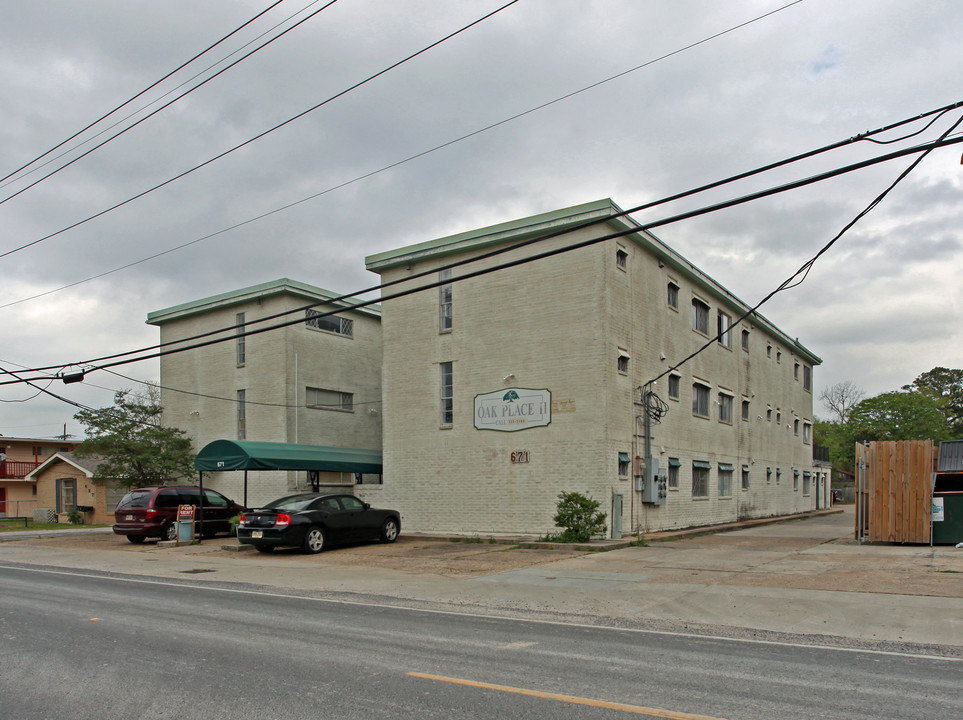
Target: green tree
{"x":838,"y":437}
{"x":134,"y":448}
{"x":578,"y":517}
{"x":945,"y":383}
{"x":899,"y":416}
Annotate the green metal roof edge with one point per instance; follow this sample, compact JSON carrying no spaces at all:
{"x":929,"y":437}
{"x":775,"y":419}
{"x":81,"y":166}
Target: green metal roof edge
{"x":235,"y":297}
{"x":492,"y":235}
{"x":523,"y":228}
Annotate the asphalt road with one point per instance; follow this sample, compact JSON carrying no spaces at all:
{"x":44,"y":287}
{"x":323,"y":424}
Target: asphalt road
{"x":92,"y":645}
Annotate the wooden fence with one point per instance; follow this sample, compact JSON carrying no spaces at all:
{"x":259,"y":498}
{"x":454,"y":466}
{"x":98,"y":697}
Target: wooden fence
{"x":894,"y":487}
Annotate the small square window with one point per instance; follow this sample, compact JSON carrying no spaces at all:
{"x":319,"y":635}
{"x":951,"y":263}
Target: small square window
{"x":623,"y":364}
{"x":621,"y":258}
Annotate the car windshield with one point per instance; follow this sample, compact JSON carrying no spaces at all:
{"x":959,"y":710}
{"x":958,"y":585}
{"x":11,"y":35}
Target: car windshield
{"x":291,"y":503}
{"x":136,"y":499}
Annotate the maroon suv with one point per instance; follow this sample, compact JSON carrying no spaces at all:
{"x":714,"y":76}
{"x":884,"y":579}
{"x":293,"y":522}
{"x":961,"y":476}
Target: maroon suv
{"x":152,"y":512}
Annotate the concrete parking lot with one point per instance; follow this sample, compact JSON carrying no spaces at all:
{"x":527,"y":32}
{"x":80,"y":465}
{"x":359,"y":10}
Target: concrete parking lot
{"x":804,"y":577}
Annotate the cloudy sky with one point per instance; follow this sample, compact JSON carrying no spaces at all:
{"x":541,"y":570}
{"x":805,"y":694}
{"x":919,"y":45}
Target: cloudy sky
{"x":880,"y":308}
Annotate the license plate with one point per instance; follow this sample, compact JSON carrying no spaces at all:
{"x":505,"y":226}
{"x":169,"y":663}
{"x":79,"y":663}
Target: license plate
{"x":129,"y":517}
{"x":257,"y":534}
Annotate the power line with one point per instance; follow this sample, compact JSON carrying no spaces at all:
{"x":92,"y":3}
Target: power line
{"x":632,"y":210}
{"x":234,"y":400}
{"x":424,"y":153}
{"x":98,"y":364}
{"x":163,"y":107}
{"x":262,"y":134}
{"x":807,"y":266}
{"x":142,"y":92}
{"x":161,"y":97}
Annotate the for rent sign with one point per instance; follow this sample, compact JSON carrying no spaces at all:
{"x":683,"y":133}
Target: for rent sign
{"x":513,"y":409}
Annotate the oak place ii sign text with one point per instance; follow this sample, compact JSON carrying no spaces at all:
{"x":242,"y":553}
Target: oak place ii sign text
{"x":513,"y":409}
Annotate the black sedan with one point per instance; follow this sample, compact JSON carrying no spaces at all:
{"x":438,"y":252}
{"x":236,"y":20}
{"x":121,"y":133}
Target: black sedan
{"x":312,"y":520}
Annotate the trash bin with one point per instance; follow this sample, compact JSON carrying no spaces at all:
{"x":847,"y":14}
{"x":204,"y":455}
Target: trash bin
{"x":949,"y":531}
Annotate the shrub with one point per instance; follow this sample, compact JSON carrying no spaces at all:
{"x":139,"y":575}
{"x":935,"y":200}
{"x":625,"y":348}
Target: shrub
{"x":578,"y":517}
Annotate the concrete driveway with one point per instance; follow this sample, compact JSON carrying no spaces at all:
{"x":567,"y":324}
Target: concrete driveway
{"x":802,"y":577}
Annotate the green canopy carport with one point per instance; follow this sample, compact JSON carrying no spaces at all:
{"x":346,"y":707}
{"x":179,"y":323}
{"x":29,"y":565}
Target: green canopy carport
{"x":224,"y":455}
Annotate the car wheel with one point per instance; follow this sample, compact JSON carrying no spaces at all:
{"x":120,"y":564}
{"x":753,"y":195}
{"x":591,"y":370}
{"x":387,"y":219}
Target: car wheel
{"x":314,"y":540}
{"x":264,"y":548}
{"x":136,"y":539}
{"x":389,"y":531}
{"x":169,"y":532}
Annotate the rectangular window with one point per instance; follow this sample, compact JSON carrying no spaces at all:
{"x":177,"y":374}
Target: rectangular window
{"x":322,"y":399}
{"x":674,"y":383}
{"x":807,"y":432}
{"x":66,"y":494}
{"x":239,"y":324}
{"x":795,"y":480}
{"x":444,"y":300}
{"x":745,"y":477}
{"x":807,"y":482}
{"x":795,"y":426}
{"x":329,"y":323}
{"x":625,"y":462}
{"x":768,"y":476}
{"x":795,"y":371}
{"x":745,"y":410}
{"x":725,"y":480}
{"x":723,"y":327}
{"x":674,"y":466}
{"x":621,"y":258}
{"x":725,"y":408}
{"x":447,"y":397}
{"x":700,"y":317}
{"x":241,"y":414}
{"x":673,"y":295}
{"x":807,"y":377}
{"x":700,"y":479}
{"x":700,"y":400}
{"x":745,"y":340}
{"x":623,"y":362}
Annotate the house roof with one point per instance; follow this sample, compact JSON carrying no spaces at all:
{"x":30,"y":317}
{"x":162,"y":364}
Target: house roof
{"x":309,"y":293}
{"x":87,"y":465}
{"x":568,"y":219}
{"x":222,"y":455}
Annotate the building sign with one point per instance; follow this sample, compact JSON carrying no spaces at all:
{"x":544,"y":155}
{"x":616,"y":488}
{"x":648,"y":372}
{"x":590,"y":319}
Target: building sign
{"x":513,"y":409}
{"x":936,"y":512}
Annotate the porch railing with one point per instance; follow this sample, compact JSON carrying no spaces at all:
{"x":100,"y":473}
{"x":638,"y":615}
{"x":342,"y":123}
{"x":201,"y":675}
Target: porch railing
{"x":16,"y":469}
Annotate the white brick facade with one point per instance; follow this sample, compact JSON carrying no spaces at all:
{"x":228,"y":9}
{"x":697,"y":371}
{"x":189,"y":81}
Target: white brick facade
{"x":562,"y":323}
{"x":200,"y":387}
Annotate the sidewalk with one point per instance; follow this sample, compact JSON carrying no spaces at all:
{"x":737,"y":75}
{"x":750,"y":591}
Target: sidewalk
{"x":803,"y":577}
